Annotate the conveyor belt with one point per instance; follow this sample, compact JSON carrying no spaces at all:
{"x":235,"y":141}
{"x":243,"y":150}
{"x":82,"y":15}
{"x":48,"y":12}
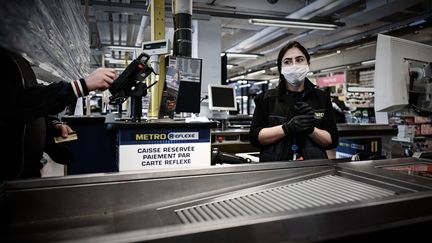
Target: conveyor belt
{"x":317,"y":192}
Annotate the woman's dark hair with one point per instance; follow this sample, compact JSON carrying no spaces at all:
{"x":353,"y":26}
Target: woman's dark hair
{"x":288,"y":46}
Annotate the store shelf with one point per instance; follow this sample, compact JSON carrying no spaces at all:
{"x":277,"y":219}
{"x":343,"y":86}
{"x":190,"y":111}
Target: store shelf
{"x":403,"y":140}
{"x":361,"y":106}
{"x":409,"y":140}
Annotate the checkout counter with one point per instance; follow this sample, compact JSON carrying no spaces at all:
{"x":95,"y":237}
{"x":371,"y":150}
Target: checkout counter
{"x":94,"y":151}
{"x":108,"y":144}
{"x":316,"y":200}
{"x":365,"y":139}
{"x":228,"y":135}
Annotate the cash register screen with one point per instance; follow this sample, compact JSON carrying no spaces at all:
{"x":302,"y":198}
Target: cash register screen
{"x":222,"y":98}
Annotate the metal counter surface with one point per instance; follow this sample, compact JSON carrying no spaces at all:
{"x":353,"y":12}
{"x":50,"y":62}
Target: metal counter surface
{"x":281,"y":201}
{"x":237,"y":140}
{"x":346,"y":130}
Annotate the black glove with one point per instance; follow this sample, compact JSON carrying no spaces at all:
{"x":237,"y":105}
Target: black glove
{"x":302,"y":108}
{"x":299,"y":124}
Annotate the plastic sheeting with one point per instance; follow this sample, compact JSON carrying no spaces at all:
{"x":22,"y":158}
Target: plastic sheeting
{"x":51,"y":34}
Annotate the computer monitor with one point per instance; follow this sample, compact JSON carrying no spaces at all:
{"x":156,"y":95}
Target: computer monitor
{"x":392,"y":65}
{"x":222,"y":98}
{"x":182,"y":88}
{"x":189,"y":94}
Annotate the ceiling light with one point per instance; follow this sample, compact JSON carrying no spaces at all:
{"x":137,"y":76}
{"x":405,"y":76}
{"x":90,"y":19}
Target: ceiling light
{"x":123,"y":48}
{"x":118,"y":61}
{"x":418,"y":22}
{"x":294,"y":24}
{"x":368,"y":62}
{"x":244,"y":86}
{"x":256,"y":73}
{"x":243,"y":55}
{"x":237,"y":78}
{"x":324,"y":56}
{"x":367,"y":45}
{"x":274,"y":69}
{"x":260,"y":82}
{"x":332,"y":69}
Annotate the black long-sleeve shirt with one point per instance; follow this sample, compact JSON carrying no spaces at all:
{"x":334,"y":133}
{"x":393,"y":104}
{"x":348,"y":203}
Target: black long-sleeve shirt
{"x":276,"y":106}
{"x":23,"y":108}
{"x":25,"y":104}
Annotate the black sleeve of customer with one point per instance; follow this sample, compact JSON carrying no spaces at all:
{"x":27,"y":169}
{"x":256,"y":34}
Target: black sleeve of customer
{"x":258,"y":120}
{"x":24,"y":104}
{"x":43,"y":100}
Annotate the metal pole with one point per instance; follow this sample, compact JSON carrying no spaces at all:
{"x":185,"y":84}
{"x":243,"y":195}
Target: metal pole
{"x":157,"y":15}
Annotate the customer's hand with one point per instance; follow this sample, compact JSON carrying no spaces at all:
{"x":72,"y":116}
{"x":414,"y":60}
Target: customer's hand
{"x":100,"y":79}
{"x":299,"y":124}
{"x":64,"y":129}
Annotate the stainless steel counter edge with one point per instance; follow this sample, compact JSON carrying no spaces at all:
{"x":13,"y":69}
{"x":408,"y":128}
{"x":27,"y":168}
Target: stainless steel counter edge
{"x":97,"y":178}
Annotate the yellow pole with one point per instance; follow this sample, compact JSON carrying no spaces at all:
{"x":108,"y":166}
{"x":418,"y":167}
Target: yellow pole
{"x":157,"y":16}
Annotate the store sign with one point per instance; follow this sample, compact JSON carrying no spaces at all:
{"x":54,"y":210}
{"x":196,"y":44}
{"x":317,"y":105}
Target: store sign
{"x":168,"y":148}
{"x":331,"y":80}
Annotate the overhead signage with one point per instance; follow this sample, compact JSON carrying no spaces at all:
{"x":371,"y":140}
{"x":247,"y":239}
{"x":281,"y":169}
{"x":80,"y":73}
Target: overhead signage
{"x":331,"y":80}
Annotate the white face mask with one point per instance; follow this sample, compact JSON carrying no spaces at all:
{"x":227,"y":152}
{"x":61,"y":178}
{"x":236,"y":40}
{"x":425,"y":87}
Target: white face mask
{"x":295,"y":74}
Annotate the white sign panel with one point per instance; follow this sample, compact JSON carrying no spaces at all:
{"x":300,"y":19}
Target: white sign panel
{"x":166,"y":148}
{"x":159,"y":156}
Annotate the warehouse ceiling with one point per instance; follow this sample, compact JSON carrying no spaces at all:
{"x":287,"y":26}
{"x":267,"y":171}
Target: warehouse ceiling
{"x":127,"y":23}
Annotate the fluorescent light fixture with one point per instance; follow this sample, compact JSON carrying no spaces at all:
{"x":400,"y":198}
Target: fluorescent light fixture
{"x":418,"y":22}
{"x":123,"y":48}
{"x":274,"y":80}
{"x":243,"y":55}
{"x":118,"y":61}
{"x":367,"y":45}
{"x":324,"y":56}
{"x":230,"y":66}
{"x":256,"y":73}
{"x":244,"y":86}
{"x":293,"y":24}
{"x":237,"y":78}
{"x":260,"y":82}
{"x":368,"y":62}
{"x":333,"y":69}
{"x":274,"y":69}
